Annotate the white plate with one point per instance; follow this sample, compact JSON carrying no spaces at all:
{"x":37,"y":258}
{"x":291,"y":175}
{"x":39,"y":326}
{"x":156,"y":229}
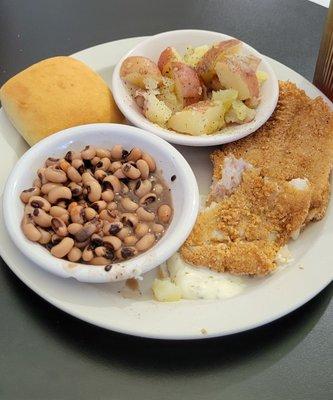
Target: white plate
{"x":152,"y":48}
{"x":265,"y":300}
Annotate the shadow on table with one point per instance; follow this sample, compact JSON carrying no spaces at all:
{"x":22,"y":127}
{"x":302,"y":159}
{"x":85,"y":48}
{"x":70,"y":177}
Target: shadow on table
{"x":138,"y":355}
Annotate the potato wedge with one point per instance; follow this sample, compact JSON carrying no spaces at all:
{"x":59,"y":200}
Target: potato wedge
{"x":234,"y":73}
{"x":239,"y":113}
{"x":141,"y":72}
{"x":206,"y":66}
{"x":156,"y":110}
{"x":168,"y":56}
{"x":188,"y":87}
{"x":202,"y":118}
{"x":171,"y":100}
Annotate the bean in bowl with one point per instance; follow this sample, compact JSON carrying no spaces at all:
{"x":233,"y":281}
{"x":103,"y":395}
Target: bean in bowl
{"x":97,"y":206}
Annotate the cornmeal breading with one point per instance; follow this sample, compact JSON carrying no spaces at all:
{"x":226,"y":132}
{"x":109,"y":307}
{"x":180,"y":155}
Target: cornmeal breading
{"x":296,"y":142}
{"x":242,"y":233}
{"x":275,"y":181}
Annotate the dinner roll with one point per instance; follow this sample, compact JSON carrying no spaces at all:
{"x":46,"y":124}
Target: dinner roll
{"x":55,"y":94}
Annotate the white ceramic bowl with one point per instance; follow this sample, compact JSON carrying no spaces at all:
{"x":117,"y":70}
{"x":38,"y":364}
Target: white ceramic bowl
{"x":184,"y":191}
{"x":152,"y":47}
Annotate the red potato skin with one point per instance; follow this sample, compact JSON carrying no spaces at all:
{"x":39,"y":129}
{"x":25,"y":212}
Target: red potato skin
{"x":142,"y":65}
{"x":208,"y":61}
{"x":248,"y":75}
{"x":215,"y":83}
{"x":166,"y":57}
{"x":187,"y":81}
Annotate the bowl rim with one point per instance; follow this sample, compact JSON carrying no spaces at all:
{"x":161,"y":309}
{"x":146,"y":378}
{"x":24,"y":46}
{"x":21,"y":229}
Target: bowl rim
{"x":120,"y":271}
{"x":183,"y":139}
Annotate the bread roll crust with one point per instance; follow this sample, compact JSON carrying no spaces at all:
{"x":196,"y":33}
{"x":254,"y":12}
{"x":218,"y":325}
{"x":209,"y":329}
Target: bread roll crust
{"x":55,"y":94}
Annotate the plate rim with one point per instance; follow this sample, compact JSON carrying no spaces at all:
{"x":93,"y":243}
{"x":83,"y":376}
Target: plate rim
{"x":182,"y":336}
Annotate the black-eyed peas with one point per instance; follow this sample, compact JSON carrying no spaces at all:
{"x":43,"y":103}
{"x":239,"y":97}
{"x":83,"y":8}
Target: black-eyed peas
{"x":26,"y":194}
{"x":39,"y":202}
{"x":59,"y":193}
{"x":88,"y":153}
{"x":130,"y":171}
{"x":134,"y":154}
{"x":74,"y":255}
{"x":75,"y":189}
{"x":145,"y":242}
{"x":64,"y":165}
{"x":31,"y":231}
{"x":37,"y":183}
{"x":47,"y":187}
{"x":59,"y":226}
{"x":117,"y":152}
{"x":99,"y":174}
{"x":61,"y":249}
{"x":55,"y":175}
{"x":142,"y":187}
{"x":128,"y":204}
{"x":74,"y":175}
{"x":145,"y":215}
{"x":131,"y":240}
{"x":113,"y":183}
{"x":89,"y":213}
{"x":157,"y":228}
{"x":150,"y":161}
{"x":143,"y":168}
{"x":74,"y":228}
{"x":115,"y":166}
{"x":147,"y":199}
{"x":41,"y":218}
{"x":45,"y":236}
{"x":94,"y":191}
{"x":71,"y":156}
{"x":97,"y":206}
{"x":119,"y":174}
{"x":164,"y":213}
{"x":107,"y":195}
{"x":141,"y":229}
{"x":87,"y":254}
{"x":158,"y":189}
{"x":103,"y":153}
{"x":95,"y":161}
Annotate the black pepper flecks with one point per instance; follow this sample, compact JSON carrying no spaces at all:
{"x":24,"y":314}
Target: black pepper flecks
{"x":108,"y":267}
{"x":173,"y":178}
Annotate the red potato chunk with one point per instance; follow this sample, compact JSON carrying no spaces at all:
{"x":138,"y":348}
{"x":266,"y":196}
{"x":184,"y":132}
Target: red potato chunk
{"x":206,"y":66}
{"x":202,"y":118}
{"x":235,"y":73}
{"x":188,"y":87}
{"x":168,"y":56}
{"x":141,"y":72}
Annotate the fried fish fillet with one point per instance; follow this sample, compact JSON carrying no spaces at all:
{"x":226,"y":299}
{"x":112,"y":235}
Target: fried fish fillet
{"x":266,"y":187}
{"x":242,"y":233}
{"x":296,"y":142}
